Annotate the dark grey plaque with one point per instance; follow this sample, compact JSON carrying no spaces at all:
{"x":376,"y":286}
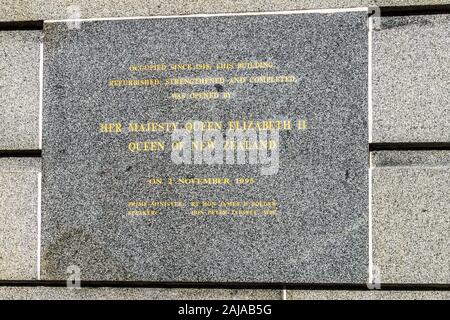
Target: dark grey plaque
{"x":118,"y":206}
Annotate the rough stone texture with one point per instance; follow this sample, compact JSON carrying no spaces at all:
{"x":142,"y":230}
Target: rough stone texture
{"x":62,"y":293}
{"x":19,"y":89}
{"x":320,"y":231}
{"x":44,"y":10}
{"x":411,"y":217}
{"x":428,"y":158}
{"x":366,"y":295}
{"x":411,"y":79}
{"x":18,"y":220}
{"x":20,"y":164}
{"x":104,"y":293}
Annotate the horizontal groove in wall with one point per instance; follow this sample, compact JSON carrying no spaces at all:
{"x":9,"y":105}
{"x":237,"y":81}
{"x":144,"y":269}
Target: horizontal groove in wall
{"x":21,"y":25}
{"x":414,"y":10}
{"x":240,"y":286}
{"x":387,"y":11}
{"x":20,"y":153}
{"x":409,"y":146}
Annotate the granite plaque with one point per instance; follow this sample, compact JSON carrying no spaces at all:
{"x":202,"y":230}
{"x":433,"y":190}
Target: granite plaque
{"x":223,"y":148}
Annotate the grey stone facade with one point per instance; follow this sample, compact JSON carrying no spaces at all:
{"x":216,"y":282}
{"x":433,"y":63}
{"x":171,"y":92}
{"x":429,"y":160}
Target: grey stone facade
{"x":410,"y":202}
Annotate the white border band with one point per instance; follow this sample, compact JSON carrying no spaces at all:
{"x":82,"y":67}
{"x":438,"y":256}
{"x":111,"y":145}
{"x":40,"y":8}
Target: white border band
{"x":369,"y":119}
{"x":206,"y":15}
{"x":41,"y":90}
{"x":38,"y":264}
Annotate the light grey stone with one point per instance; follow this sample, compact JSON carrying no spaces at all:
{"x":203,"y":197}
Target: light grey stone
{"x":20,"y":164}
{"x":19,"y":89}
{"x":426,"y":158}
{"x":411,"y":79}
{"x":411,"y":218}
{"x":18,"y":223}
{"x":366,"y":295}
{"x":320,"y":231}
{"x":61,"y":9}
{"x":111,"y":293}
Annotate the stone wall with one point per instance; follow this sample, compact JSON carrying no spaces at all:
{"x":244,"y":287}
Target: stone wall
{"x":410,"y":150}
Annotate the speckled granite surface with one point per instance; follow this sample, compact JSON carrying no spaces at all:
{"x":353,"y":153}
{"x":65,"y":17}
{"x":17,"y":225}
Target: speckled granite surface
{"x":18,"y":223}
{"x":411,"y":217}
{"x":105,"y":293}
{"x":411,"y":68}
{"x":62,"y":9}
{"x":320,"y":231}
{"x":367,"y":295}
{"x":111,"y":293}
{"x":19,"y":89}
